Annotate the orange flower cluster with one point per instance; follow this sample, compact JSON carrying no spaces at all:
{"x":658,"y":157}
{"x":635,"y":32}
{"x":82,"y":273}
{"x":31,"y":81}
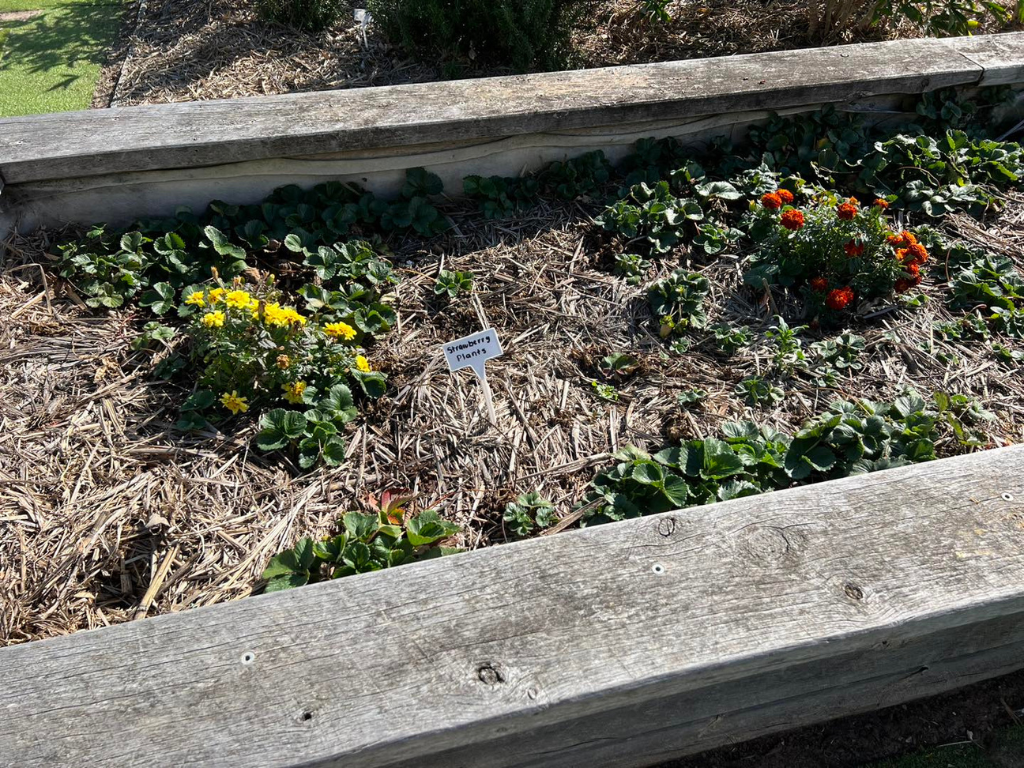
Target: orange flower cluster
{"x":853,"y":248}
{"x":792,"y":219}
{"x":911,"y":254}
{"x":880,"y":203}
{"x":848,"y":210}
{"x":786,"y":196}
{"x":839,"y":298}
{"x":771,"y":201}
{"x":819,"y":284}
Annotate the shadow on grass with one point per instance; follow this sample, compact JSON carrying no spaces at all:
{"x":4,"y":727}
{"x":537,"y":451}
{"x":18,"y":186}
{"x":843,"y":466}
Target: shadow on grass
{"x":66,"y":37}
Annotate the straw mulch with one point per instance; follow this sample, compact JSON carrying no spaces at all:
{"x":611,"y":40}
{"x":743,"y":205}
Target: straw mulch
{"x":188,"y":50}
{"x":108,"y":515}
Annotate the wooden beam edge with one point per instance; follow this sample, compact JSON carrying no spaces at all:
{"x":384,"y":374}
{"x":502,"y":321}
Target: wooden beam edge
{"x":207,"y":133}
{"x":467,"y":668}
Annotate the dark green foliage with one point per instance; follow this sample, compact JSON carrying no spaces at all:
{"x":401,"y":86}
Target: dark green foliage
{"x":365,"y":543}
{"x":353,"y":280}
{"x":947,"y":168}
{"x":652,"y":216}
{"x":310,"y":15}
{"x":523,"y":34}
{"x":501,"y":197}
{"x":748,"y":459}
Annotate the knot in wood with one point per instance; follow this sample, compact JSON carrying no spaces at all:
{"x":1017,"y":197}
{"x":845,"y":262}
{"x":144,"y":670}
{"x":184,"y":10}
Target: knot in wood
{"x":853,"y":592}
{"x":767,"y":545}
{"x":490,"y":675}
{"x":667,"y":526}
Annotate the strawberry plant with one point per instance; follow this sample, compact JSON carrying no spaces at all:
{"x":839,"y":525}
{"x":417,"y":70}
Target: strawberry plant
{"x":849,"y":438}
{"x":677,"y":301}
{"x":632,"y":266}
{"x":529,"y":513}
{"x":501,"y":197}
{"x":364,"y":543}
{"x":729,"y":339}
{"x":451,"y":284}
{"x":653,"y":216}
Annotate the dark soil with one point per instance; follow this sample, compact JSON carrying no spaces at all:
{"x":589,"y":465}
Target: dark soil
{"x":978,"y":715}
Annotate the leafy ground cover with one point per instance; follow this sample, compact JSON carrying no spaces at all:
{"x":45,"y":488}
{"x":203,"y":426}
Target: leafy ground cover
{"x":53,"y":53}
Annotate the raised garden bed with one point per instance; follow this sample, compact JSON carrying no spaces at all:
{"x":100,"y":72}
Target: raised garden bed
{"x":712,"y":314}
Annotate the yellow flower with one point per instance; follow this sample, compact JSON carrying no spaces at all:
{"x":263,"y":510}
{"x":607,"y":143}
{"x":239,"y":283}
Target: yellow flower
{"x":196,"y":299}
{"x":293,"y":391}
{"x":216,"y":294}
{"x":340,"y":331}
{"x":284,"y":362}
{"x":234,"y":403}
{"x":363,"y":364}
{"x":238,"y":299}
{"x":213,"y":319}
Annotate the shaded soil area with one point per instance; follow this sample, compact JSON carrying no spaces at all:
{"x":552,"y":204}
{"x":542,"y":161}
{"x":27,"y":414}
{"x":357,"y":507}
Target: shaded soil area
{"x":978,"y":726}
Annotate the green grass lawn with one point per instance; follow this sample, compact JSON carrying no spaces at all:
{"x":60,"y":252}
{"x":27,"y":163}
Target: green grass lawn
{"x":50,"y":63}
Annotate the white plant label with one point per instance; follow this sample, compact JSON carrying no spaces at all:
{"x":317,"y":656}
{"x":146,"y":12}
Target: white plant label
{"x":473,"y":352}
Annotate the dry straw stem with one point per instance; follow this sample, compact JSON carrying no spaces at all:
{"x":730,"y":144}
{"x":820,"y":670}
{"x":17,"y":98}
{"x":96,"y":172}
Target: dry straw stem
{"x":107,"y":514}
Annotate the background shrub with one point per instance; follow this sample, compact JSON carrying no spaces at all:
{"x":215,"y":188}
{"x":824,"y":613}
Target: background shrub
{"x":524,"y":34}
{"x":311,"y":15}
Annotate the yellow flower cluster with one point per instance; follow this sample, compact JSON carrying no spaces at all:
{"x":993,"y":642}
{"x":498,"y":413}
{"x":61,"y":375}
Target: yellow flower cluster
{"x":213,"y":319}
{"x":271,"y":313}
{"x":362,"y":364}
{"x":340,"y":331}
{"x":293,"y":391}
{"x":275,"y":314}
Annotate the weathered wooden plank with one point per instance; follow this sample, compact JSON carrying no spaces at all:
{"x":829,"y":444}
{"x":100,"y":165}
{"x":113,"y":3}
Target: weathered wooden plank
{"x":999,"y":56}
{"x":678,"y":631}
{"x":218,"y":132}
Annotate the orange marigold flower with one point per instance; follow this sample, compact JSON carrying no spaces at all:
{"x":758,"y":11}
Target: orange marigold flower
{"x":839,"y":298}
{"x":853,"y":201}
{"x":919,"y":252}
{"x":912,"y":269}
{"x":792,"y":219}
{"x":895,"y":241}
{"x":903,"y":285}
{"x":771,"y":201}
{"x":880,"y":203}
{"x":901,"y":254}
{"x":847,"y":212}
{"x":908,"y":237}
{"x":853,"y":248}
{"x":819,"y":284}
{"x":785,"y":196}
